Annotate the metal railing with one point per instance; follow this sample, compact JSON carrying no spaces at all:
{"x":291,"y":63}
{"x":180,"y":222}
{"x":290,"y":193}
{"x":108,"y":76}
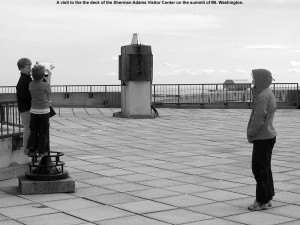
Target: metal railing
{"x":218,"y":93}
{"x":179,"y":93}
{"x":70,"y":89}
{"x":85,"y":88}
{"x":10,"y":121}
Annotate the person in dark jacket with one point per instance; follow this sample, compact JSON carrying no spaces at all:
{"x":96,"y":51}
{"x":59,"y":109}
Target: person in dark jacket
{"x":261,"y":132}
{"x":24,"y":97}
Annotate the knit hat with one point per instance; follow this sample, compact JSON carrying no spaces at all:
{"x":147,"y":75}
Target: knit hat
{"x":38,"y":72}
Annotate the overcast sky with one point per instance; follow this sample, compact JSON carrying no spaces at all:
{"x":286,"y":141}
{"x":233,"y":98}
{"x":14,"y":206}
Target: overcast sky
{"x":190,"y":43}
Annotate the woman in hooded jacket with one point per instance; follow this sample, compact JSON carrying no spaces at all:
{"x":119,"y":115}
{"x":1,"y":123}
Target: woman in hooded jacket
{"x":261,"y":132}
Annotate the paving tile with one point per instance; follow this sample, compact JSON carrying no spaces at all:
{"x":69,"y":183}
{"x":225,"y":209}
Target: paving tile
{"x":223,"y":184}
{"x":165,"y":174}
{"x":48,"y":197}
{"x":220,"y":195}
{"x":113,"y":172}
{"x":3,"y":217}
{"x":287,"y":197}
{"x":188,"y":188}
{"x":153,"y":193}
{"x":292,"y":223}
{"x":10,"y":222}
{"x":285,"y":186}
{"x":254,"y":218}
{"x":160,"y":183}
{"x":222,"y":175}
{"x":184,"y":200}
{"x":8,"y":183}
{"x":98,"y":213}
{"x":87,"y":224}
{"x":244,"y":189}
{"x":28,"y":210}
{"x":219,"y":209}
{"x":55,"y":218}
{"x":178,"y":216}
{"x":116,"y":198}
{"x":145,"y":206}
{"x":136,"y":177}
{"x":215,"y":222}
{"x":89,"y":191}
{"x":83,"y":175}
{"x":101,"y":181}
{"x":126,"y":187}
{"x":3,"y":194}
{"x":12,"y":201}
{"x":70,"y":204}
{"x":79,"y":185}
{"x":132,"y":220}
{"x":193,"y":179}
{"x":292,"y":211}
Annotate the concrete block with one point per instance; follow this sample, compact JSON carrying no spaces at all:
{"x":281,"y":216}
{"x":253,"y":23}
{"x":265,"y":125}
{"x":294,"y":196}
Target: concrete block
{"x":28,"y":187}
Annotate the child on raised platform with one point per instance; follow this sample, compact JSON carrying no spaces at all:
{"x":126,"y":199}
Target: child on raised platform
{"x":39,"y":123}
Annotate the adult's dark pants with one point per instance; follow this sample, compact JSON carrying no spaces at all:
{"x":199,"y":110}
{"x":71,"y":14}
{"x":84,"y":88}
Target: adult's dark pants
{"x":39,"y":132}
{"x":261,"y":168}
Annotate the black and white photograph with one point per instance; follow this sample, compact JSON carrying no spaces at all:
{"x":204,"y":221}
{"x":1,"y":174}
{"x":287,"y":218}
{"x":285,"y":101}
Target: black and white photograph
{"x":150,"y":112}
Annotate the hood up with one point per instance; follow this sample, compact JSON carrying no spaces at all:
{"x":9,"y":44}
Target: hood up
{"x":263,"y":79}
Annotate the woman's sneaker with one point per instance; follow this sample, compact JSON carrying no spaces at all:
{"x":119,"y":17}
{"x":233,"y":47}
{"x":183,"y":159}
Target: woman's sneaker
{"x":270,"y":203}
{"x":256,"y":206}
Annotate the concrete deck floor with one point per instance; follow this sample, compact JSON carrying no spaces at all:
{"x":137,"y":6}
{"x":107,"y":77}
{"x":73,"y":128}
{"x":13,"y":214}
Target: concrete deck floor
{"x":189,"y":166}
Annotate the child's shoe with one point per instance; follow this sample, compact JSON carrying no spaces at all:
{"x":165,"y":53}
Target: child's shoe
{"x":31,"y":153}
{"x":256,"y":206}
{"x":40,"y":156}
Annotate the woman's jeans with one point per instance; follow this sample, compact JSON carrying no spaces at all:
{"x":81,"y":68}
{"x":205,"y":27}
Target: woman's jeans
{"x":39,"y":132}
{"x":261,"y":168}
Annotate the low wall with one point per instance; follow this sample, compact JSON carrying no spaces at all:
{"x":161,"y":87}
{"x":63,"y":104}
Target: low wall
{"x":8,"y":97}
{"x":86,"y":99}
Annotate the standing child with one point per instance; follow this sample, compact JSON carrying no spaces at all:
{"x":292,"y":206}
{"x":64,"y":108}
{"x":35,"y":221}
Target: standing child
{"x":262,"y":134}
{"x":39,"y":123}
{"x":24,"y":97}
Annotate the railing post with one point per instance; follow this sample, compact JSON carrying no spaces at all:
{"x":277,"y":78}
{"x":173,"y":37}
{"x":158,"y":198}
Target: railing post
{"x":19,"y":117}
{"x":66,"y":93}
{"x":202,"y":94}
{"x":298,"y":99}
{"x":178,"y":91}
{"x":154,"y":93}
{"x":7,"y":118}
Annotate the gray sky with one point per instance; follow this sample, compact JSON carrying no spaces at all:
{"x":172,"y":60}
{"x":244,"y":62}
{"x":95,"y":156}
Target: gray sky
{"x":190,"y":43}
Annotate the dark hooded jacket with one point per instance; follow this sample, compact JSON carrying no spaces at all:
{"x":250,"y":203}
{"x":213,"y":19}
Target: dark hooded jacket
{"x":260,"y":125}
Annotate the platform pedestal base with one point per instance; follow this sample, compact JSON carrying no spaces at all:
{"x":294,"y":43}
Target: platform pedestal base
{"x":29,"y":187}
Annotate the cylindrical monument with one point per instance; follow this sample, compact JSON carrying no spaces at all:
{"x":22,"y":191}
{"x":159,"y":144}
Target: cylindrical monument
{"x":136,"y":74}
